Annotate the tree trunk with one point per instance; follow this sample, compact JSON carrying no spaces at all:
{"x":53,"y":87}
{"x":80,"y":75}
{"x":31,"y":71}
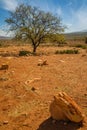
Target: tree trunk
{"x":34,"y":49}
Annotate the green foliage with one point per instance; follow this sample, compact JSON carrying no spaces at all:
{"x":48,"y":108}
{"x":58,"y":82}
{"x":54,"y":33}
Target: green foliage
{"x":0,"y":45}
{"x":3,"y":43}
{"x":24,"y":53}
{"x":59,"y":39}
{"x":81,"y":46}
{"x":67,"y":52}
{"x":86,"y":40}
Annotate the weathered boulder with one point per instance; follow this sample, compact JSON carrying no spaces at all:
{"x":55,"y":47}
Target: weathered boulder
{"x":65,"y":108}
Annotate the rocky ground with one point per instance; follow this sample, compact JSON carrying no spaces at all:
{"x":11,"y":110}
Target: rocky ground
{"x":27,"y":90}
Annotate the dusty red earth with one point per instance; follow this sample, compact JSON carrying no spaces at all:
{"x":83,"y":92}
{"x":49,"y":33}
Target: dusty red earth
{"x":26,"y":89}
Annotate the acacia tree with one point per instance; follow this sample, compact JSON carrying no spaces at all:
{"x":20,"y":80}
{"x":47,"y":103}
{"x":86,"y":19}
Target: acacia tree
{"x":33,"y":24}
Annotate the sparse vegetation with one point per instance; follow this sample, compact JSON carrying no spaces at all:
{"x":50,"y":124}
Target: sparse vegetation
{"x":86,"y":40}
{"x":24,"y":53}
{"x":81,"y":46}
{"x":67,"y":52}
{"x":0,"y":44}
{"x":59,"y":39}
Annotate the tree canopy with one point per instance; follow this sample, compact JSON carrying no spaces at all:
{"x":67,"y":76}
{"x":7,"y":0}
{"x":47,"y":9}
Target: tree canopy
{"x":33,"y":24}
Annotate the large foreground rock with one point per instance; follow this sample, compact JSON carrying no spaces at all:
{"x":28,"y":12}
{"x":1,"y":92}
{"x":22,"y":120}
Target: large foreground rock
{"x":65,"y":108}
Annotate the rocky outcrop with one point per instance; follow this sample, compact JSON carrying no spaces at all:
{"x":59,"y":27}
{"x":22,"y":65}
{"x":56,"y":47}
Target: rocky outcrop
{"x":65,"y":108}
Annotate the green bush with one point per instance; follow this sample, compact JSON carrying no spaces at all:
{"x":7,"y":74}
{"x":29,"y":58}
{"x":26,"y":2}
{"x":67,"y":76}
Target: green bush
{"x":86,"y":40}
{"x":24,"y":53}
{"x":81,"y":46}
{"x":67,"y":52}
{"x":59,"y":39}
{"x":0,"y":44}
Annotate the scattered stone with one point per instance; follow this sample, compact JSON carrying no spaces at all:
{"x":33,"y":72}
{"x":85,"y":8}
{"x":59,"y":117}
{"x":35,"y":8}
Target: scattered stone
{"x":65,"y":108}
{"x":4,"y":67}
{"x":84,"y":55}
{"x":0,"y":124}
{"x":24,"y":114}
{"x":85,"y":94}
{"x":25,"y":124}
{"x":3,"y":79}
{"x":33,"y":88}
{"x":12,"y":71}
{"x":5,"y":122}
{"x":62,"y":61}
{"x":9,"y":57}
{"x":42,"y":62}
{"x":32,"y":80}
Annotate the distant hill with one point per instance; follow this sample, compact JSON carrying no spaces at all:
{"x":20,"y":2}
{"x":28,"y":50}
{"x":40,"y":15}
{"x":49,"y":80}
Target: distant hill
{"x":3,"y":37}
{"x":76,"y":35}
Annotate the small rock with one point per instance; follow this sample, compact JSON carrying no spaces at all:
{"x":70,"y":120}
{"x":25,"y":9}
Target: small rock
{"x":26,"y":124}
{"x":85,"y":94}
{"x":42,"y":62}
{"x":62,"y":61}
{"x":33,"y":88}
{"x":32,"y":80}
{"x":24,"y":114}
{"x":84,"y":55}
{"x":5,"y":122}
{"x":12,"y":71}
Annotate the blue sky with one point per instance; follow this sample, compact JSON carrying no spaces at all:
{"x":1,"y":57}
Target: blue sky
{"x":72,"y":12}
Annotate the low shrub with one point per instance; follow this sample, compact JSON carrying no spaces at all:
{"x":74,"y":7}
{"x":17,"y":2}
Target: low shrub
{"x":67,"y":52}
{"x":81,"y":46}
{"x":0,"y":44}
{"x":24,"y":53}
{"x":86,"y":40}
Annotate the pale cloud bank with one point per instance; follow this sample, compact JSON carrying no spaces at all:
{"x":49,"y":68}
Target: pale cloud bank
{"x":78,"y":21}
{"x":59,"y":11}
{"x":81,"y":17}
{"x":9,"y":5}
{"x":4,"y":31}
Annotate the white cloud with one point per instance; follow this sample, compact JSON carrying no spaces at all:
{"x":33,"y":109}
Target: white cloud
{"x":69,"y":25}
{"x":4,"y":31}
{"x":9,"y":4}
{"x":78,"y":20}
{"x":59,"y":11}
{"x":81,"y":16}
